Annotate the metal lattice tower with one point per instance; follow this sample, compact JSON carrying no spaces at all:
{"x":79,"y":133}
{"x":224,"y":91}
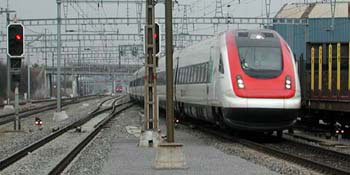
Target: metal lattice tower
{"x":268,"y":11}
{"x":139,"y":16}
{"x":65,"y":13}
{"x":184,"y":22}
{"x":218,"y":9}
{"x":127,"y":12}
{"x":218,"y":13}
{"x":333,"y":5}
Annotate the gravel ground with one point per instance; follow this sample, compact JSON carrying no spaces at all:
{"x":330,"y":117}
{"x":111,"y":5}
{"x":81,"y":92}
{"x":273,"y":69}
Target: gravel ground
{"x":24,"y":107}
{"x":94,"y":156}
{"x":272,"y":163}
{"x":43,"y":160}
{"x":11,"y":141}
{"x":345,"y":149}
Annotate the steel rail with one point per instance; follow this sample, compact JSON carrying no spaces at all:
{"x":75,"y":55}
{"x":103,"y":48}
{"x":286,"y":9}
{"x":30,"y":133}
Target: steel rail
{"x":321,"y":167}
{"x":29,"y":112}
{"x":42,"y":101}
{"x":34,"y":146}
{"x":311,"y":164}
{"x":60,"y":167}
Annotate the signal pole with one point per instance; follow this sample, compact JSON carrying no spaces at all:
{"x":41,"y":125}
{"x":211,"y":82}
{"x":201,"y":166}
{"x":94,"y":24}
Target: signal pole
{"x":169,"y":72}
{"x":169,"y":155}
{"x":8,"y":65}
{"x":149,"y":135}
{"x":8,"y":89}
{"x":59,"y":3}
{"x":59,"y":115}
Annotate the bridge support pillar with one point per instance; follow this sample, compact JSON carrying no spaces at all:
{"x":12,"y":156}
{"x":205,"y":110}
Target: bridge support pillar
{"x":78,"y":85}
{"x":74,"y":86}
{"x":50,"y":85}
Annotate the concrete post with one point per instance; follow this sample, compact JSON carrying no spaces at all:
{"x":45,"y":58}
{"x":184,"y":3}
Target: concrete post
{"x":8,"y":66}
{"x":29,"y":75}
{"x":17,"y":125}
{"x":59,"y":21}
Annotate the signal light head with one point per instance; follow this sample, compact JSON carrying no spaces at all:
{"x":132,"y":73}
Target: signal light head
{"x":18,"y":37}
{"x":15,"y":40}
{"x":156,"y":37}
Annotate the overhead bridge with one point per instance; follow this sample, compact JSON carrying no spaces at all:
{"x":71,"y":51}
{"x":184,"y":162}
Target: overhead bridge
{"x":95,"y":70}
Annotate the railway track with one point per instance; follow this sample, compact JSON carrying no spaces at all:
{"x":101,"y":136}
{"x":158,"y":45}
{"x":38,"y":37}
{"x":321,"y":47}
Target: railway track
{"x":7,"y":118}
{"x":40,"y":101}
{"x":312,"y":157}
{"x":34,"y":146}
{"x":61,"y":166}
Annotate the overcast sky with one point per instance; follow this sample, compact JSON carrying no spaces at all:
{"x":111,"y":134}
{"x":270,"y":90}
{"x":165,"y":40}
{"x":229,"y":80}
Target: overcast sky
{"x":28,"y":9}
{"x":47,"y":8}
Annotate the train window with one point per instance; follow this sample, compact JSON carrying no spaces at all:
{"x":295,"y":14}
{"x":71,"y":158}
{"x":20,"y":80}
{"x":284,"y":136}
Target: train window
{"x":194,"y":78}
{"x":178,"y":75}
{"x":198,"y":68}
{"x":200,"y":73}
{"x":206,"y":73}
{"x":221,"y":65}
{"x":196,"y":74}
{"x":192,"y":74}
{"x":187,"y":75}
{"x":203,"y":73}
{"x":181,"y":76}
{"x":184,"y":75}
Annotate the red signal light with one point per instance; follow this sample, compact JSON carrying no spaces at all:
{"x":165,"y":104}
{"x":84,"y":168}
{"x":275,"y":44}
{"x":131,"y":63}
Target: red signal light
{"x":18,"y":37}
{"x":155,"y":36}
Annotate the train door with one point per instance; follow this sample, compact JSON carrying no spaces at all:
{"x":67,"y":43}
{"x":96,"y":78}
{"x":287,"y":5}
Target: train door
{"x":212,"y":84}
{"x":213,"y":76}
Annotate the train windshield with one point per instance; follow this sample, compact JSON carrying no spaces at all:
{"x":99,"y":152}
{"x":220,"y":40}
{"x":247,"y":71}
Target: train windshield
{"x":261,"y":62}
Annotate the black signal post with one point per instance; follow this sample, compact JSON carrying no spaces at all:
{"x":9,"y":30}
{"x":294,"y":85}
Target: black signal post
{"x":15,"y":50}
{"x":157,"y":37}
{"x":15,"y":38}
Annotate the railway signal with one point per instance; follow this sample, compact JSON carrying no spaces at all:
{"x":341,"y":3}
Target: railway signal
{"x":15,"y":40}
{"x":157,"y":37}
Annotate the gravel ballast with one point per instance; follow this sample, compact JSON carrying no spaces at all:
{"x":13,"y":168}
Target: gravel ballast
{"x":43,"y":160}
{"x":94,"y":156}
{"x":11,"y":142}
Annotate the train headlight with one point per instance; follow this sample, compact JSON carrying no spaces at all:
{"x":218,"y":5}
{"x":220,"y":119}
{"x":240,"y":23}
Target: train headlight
{"x":342,"y":131}
{"x":288,"y":82}
{"x":240,"y":82}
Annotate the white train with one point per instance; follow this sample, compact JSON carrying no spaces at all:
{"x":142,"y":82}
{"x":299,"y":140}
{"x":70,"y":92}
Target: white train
{"x":244,"y":79}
